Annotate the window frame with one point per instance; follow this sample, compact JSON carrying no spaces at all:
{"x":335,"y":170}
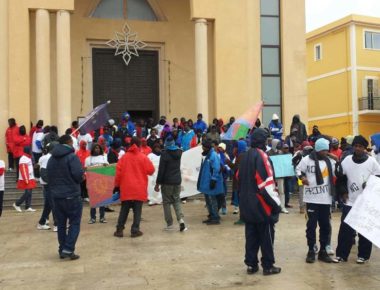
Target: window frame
{"x":320,"y":52}
{"x":372,"y":31}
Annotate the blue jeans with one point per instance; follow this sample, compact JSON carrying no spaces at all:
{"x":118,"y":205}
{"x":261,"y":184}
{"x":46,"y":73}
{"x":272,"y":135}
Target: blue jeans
{"x":27,"y":197}
{"x":48,"y":207}
{"x":235,"y":198}
{"x":101,"y":212}
{"x":212,"y":206}
{"x":68,"y":210}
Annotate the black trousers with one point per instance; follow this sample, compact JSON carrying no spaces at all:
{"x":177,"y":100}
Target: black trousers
{"x":259,"y":236}
{"x":318,"y":214}
{"x":136,"y":206}
{"x":11,"y":160}
{"x":83,"y":189}
{"x":345,"y":236}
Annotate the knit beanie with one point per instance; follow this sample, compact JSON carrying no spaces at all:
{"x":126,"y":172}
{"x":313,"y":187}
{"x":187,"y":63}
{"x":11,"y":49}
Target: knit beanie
{"x":169,"y":142}
{"x":322,"y":144}
{"x":258,"y":138}
{"x":360,"y":140}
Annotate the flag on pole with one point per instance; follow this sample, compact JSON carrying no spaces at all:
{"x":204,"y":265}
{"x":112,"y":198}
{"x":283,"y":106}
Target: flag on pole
{"x":240,"y":127}
{"x":100,"y":185}
{"x":95,"y":119}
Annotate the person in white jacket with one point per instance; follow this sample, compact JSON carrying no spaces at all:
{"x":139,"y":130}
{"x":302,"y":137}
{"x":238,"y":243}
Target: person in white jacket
{"x":316,"y":172}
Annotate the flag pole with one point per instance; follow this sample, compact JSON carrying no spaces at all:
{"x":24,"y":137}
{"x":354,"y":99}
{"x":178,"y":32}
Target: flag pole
{"x":92,"y":114}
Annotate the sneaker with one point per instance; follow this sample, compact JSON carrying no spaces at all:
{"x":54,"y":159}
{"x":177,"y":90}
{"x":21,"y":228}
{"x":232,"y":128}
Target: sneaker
{"x":213,"y":222}
{"x":29,"y":209}
{"x":284,"y":210}
{"x":91,"y":221}
{"x":236,"y":210}
{"x":361,"y":260}
{"x":329,"y":250}
{"x":252,"y":270}
{"x":182,"y":227}
{"x":224,"y":210}
{"x":47,"y":222}
{"x":43,"y":227}
{"x":17,"y":208}
{"x":169,"y":228}
{"x":86,"y":199}
{"x":136,"y":234}
{"x":55,"y":229}
{"x":71,"y":256}
{"x":118,"y":233}
{"x":338,"y":260}
{"x":206,"y":221}
{"x":103,"y":221}
{"x":310,"y":258}
{"x":324,"y":257}
{"x":316,"y":248}
{"x":272,"y":271}
{"x":108,"y":209}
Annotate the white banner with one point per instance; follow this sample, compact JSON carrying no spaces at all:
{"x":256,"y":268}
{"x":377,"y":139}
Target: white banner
{"x":190,"y":166}
{"x":365,"y":213}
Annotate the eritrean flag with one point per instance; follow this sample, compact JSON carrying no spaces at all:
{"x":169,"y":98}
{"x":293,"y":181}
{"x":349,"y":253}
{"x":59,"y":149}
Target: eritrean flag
{"x":100,"y":185}
{"x":241,"y":126}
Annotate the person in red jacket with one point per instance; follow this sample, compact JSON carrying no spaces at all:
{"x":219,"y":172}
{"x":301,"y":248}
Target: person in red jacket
{"x":21,"y":140}
{"x":131,"y":181}
{"x":10,"y":133}
{"x":82,"y":154}
{"x":26,"y":181}
{"x":144,"y":147}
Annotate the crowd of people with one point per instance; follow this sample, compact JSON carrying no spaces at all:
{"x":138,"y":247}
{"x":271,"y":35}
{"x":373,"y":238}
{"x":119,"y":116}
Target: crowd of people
{"x":329,"y":175}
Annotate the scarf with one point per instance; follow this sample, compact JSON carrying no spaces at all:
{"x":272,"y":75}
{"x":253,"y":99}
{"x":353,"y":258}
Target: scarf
{"x":318,"y":173}
{"x":358,"y":159}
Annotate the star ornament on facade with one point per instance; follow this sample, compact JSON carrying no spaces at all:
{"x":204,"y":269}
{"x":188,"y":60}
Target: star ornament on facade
{"x":126,"y":44}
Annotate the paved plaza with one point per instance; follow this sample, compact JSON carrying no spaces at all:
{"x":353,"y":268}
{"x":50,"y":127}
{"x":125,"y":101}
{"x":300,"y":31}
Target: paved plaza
{"x":204,"y":257}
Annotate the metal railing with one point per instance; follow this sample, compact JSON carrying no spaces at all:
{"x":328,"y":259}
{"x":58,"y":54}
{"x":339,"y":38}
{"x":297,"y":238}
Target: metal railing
{"x":369,"y":103}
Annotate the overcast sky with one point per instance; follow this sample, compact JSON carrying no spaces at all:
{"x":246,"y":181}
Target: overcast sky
{"x":322,"y":12}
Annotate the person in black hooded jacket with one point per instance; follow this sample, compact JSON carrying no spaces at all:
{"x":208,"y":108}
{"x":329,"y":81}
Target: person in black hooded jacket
{"x":169,"y":177}
{"x":259,"y":204}
{"x":65,"y":173}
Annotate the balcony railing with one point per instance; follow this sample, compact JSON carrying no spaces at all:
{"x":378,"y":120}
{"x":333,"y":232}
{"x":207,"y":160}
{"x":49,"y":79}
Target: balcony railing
{"x":369,"y":103}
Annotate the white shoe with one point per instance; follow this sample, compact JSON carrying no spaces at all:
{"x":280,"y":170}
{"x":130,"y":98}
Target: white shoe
{"x":86,"y":199}
{"x":169,"y":228}
{"x":43,"y":227}
{"x":46,"y":222}
{"x":284,"y":210}
{"x":236,"y":210}
{"x":329,"y":250}
{"x":30,"y":209}
{"x":184,"y":201}
{"x":17,"y":208}
{"x":55,"y":229}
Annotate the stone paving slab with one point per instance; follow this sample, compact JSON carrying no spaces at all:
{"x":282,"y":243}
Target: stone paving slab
{"x":204,"y":257}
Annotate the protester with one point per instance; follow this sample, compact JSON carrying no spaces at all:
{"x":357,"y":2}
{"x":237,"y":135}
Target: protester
{"x":26,"y":180}
{"x":21,"y":140}
{"x":144,"y":147}
{"x":210,"y":182}
{"x":213,"y":135}
{"x":152,"y":139}
{"x":43,"y":223}
{"x":65,"y":173}
{"x":86,"y":137}
{"x":199,"y":124}
{"x":259,"y":205}
{"x":335,"y":150}
{"x":275,"y":127}
{"x":354,"y":173}
{"x":187,"y":138}
{"x":37,"y":138}
{"x":38,"y":127}
{"x":169,"y":178}
{"x":96,"y":158}
{"x":315,"y":135}
{"x":2,"y":183}
{"x":131,"y":181}
{"x":10,"y":135}
{"x":298,"y":129}
{"x":226,"y":170}
{"x":317,"y":173}
{"x":50,"y":136}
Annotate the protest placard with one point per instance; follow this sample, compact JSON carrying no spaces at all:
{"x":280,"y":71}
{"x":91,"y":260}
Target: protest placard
{"x":282,"y":165}
{"x":365,"y":213}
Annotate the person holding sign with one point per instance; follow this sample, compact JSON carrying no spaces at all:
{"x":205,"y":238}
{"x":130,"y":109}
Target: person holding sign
{"x":355,"y":171}
{"x":316,"y":172}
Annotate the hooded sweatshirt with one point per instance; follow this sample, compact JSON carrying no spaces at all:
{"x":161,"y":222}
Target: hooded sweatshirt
{"x":64,"y":172}
{"x":169,"y":171}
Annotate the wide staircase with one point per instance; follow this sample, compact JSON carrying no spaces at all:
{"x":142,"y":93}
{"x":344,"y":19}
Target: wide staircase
{"x":11,"y":193}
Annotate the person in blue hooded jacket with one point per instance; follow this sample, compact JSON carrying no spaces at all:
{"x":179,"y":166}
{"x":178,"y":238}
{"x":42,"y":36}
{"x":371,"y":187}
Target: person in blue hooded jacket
{"x":126,"y":127}
{"x":210,"y":182}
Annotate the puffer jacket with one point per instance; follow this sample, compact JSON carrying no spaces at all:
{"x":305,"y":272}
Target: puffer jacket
{"x":64,"y":172}
{"x":169,"y":171}
{"x":210,"y":170}
{"x":132,"y":172}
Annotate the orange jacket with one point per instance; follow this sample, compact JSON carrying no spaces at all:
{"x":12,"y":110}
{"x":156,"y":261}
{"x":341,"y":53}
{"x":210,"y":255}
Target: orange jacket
{"x":132,"y":172}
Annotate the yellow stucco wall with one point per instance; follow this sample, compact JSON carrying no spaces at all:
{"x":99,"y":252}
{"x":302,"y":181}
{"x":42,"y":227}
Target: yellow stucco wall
{"x":337,"y":127}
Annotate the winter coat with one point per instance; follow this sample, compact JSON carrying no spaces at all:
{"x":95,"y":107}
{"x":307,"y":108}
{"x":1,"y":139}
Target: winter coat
{"x":65,"y":172}
{"x":187,"y":140}
{"x":200,"y":125}
{"x":259,"y":202}
{"x":26,"y":178}
{"x":275,"y":130}
{"x":20,"y":141}
{"x":210,"y":170}
{"x":169,"y":171}
{"x":132,"y":172}
{"x":10,"y":135}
